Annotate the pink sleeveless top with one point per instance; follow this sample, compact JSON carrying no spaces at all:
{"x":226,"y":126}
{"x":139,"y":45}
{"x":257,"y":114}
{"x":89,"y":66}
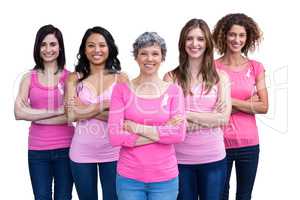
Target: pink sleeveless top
{"x":205,"y":145}
{"x":90,"y":143}
{"x":241,"y":130}
{"x":47,"y":137}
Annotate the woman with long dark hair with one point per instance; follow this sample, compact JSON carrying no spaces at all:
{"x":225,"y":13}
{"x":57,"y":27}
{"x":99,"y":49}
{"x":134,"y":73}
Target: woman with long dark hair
{"x":88,"y":97}
{"x":40,"y":100}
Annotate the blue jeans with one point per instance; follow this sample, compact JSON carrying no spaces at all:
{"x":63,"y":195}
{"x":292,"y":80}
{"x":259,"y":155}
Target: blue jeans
{"x":246,"y":161}
{"x":46,"y":166}
{"x":130,"y":189}
{"x":85,"y":178}
{"x":202,"y":180}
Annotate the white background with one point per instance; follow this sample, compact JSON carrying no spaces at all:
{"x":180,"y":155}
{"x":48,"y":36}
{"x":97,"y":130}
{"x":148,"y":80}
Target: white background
{"x":278,"y":174}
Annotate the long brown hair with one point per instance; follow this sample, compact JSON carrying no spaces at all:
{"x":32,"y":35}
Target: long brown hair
{"x":208,"y":71}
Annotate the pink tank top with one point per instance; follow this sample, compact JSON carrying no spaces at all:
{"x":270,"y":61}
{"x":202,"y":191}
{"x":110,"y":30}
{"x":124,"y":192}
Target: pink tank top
{"x":205,"y":145}
{"x":90,"y":143}
{"x":47,"y":137}
{"x":241,"y":130}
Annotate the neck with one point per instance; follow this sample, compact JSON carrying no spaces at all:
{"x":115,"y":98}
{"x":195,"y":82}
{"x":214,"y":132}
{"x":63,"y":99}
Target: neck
{"x":233,"y":59}
{"x":195,"y":66}
{"x":50,"y":67}
{"x":95,"y":69}
{"x":142,"y":78}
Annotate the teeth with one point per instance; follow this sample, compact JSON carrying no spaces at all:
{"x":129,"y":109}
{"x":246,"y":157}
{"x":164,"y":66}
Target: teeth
{"x":97,"y":57}
{"x":148,"y":65}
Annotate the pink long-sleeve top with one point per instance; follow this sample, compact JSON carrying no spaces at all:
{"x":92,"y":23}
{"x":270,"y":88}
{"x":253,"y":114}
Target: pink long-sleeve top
{"x":241,"y":130}
{"x":152,"y":162}
{"x":47,"y":137}
{"x":204,"y":145}
{"x":90,"y":143}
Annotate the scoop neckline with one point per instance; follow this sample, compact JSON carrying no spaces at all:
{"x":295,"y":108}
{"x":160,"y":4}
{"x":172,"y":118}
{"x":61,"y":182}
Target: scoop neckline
{"x":154,"y":98}
{"x":49,"y":87}
{"x":224,"y":66}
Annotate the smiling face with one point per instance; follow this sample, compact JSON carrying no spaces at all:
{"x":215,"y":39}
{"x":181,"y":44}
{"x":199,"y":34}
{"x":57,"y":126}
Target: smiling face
{"x":49,"y":50}
{"x":149,"y":59}
{"x":236,"y":38}
{"x":96,"y":49}
{"x":195,"y":43}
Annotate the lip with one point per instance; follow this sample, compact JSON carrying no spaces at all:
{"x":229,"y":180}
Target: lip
{"x":149,"y":65}
{"x":48,"y":55}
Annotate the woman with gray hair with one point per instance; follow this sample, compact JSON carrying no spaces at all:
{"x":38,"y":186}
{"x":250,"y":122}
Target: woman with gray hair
{"x":146,"y":118}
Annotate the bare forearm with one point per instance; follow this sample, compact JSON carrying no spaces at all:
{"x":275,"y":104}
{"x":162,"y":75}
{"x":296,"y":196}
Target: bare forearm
{"x":83,"y":112}
{"x":149,"y":132}
{"x":209,"y":120}
{"x":143,"y":141}
{"x":103,"y":116}
{"x":30,"y":114}
{"x":251,"y":107}
{"x":191,"y":126}
{"x":61,"y":119}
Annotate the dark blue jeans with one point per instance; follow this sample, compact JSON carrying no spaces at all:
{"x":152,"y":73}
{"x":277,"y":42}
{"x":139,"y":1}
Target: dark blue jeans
{"x":85,"y":178}
{"x":246,"y":161}
{"x":46,"y":166}
{"x":202,"y":180}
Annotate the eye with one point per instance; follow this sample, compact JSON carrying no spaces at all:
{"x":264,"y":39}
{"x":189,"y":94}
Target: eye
{"x":53,"y":44}
{"x":231,"y":34}
{"x":90,"y":45}
{"x":43,"y":44}
{"x":155,"y":54}
{"x":201,"y":39}
{"x":189,"y":38}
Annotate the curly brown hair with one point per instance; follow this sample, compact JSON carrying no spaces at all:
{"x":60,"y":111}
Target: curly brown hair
{"x":254,"y":34}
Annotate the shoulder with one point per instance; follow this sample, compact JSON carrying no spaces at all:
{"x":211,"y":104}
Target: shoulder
{"x":174,"y":89}
{"x":26,"y":78}
{"x":218,"y":63}
{"x":169,"y":77}
{"x":258,"y":67}
{"x":224,"y":78}
{"x":222,"y":74}
{"x":122,"y":78}
{"x":72,"y":77}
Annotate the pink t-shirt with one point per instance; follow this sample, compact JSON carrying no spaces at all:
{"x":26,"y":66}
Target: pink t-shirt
{"x":47,"y":137}
{"x":241,"y":130}
{"x":153,"y":162}
{"x":205,"y":145}
{"x":90,"y":143}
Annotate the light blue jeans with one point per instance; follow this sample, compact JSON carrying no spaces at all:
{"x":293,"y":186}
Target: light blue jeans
{"x":130,"y":189}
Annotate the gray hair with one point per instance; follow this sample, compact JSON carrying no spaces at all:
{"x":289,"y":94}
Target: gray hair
{"x":148,"y":39}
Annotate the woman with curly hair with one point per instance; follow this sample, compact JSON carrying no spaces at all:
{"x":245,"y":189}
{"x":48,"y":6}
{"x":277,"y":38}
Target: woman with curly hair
{"x":234,"y":36}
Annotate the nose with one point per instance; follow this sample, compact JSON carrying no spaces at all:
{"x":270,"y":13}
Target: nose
{"x":149,"y":58}
{"x":97,"y":48}
{"x":48,"y":48}
{"x":194,"y":42}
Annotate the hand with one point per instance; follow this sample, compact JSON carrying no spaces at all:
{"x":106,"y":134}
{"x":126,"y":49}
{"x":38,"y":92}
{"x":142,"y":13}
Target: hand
{"x":174,"y":121}
{"x":220,"y":107}
{"x":105,"y":104}
{"x":254,"y":98}
{"x":129,"y":126}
